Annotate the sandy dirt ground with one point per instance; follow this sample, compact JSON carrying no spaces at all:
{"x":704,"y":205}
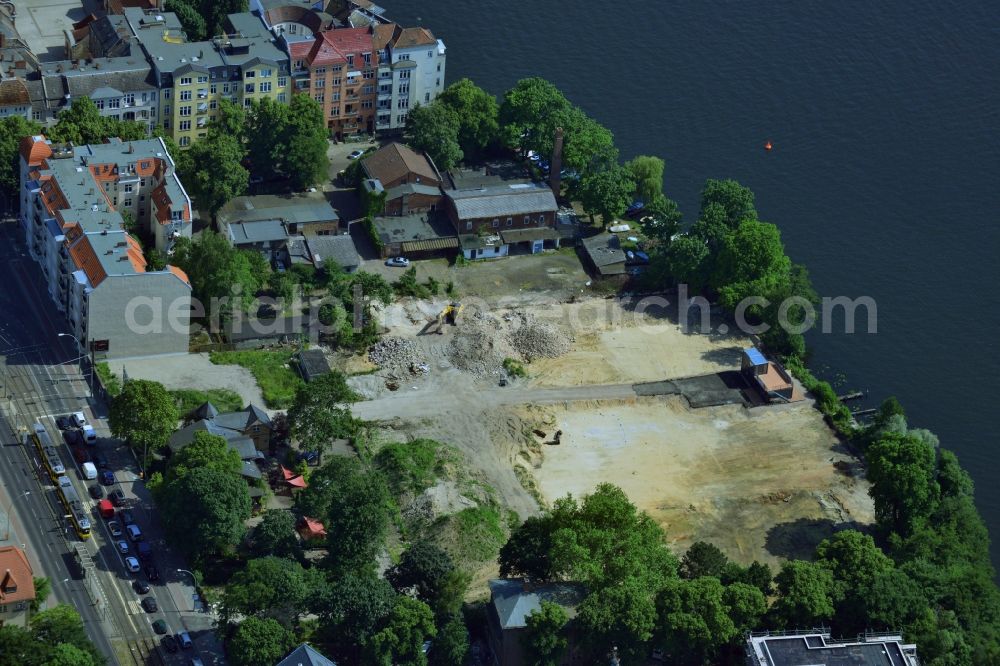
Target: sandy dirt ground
{"x":194,"y":371}
{"x":765,"y":484}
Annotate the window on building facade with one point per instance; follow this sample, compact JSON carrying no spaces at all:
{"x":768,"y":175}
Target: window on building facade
{"x":184,"y":141}
{"x":427,"y":97}
{"x":99,"y":103}
{"x":249,"y":74}
{"x":368,"y":90}
{"x":297,"y":64}
{"x":468,"y":226}
{"x":282,"y":81}
{"x":439,"y":67}
{"x":265,"y":86}
{"x":367,"y":104}
{"x":166,"y":123}
{"x":166,"y":109}
{"x":402,"y":56}
{"x":319,"y":83}
{"x":128,"y":188}
{"x":510,"y":221}
{"x":265,"y":73}
{"x":496,"y":222}
{"x":128,"y":203}
{"x":184,"y":125}
{"x":129,"y":99}
{"x":36,"y":115}
{"x":541,"y":219}
{"x":214,"y":104}
{"x":166,"y":94}
{"x":336,"y":68}
{"x":185,"y":110}
{"x":248,"y":88}
{"x":319,"y":71}
{"x":369,"y":74}
{"x":430,"y":54}
{"x":214,"y":88}
{"x":403,"y":104}
{"x":246,"y":102}
{"x":185,"y":95}
{"x":405,"y":74}
{"x":335,"y":97}
{"x":202,"y":79}
{"x":527,"y":219}
{"x":144,"y":165}
{"x":186,"y":81}
{"x":438,"y":84}
{"x":281,"y":97}
{"x":319,"y":97}
{"x":350,"y":60}
{"x":336,"y":82}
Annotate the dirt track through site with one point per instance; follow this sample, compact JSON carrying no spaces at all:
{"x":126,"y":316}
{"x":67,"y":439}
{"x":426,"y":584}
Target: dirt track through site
{"x":765,"y":483}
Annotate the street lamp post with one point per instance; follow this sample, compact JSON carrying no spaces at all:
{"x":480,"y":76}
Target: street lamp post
{"x":195,"y":580}
{"x":83,"y":353}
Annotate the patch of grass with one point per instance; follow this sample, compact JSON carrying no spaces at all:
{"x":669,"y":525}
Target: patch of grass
{"x":412,"y":467}
{"x":529,"y":483}
{"x":224,"y":400}
{"x":479,"y":532}
{"x":272,"y":370}
{"x":514,"y":367}
{"x":109,"y":380}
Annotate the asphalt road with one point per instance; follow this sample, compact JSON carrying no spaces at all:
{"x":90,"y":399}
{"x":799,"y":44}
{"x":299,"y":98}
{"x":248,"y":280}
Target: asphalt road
{"x":41,"y":381}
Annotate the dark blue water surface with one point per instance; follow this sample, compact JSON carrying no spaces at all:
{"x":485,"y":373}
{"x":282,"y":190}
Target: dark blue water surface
{"x":883,"y":178}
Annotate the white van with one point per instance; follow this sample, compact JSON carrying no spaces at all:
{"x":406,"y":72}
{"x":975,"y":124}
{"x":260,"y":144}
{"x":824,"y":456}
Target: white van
{"x":89,"y":470}
{"x":89,"y":434}
{"x":79,"y":420}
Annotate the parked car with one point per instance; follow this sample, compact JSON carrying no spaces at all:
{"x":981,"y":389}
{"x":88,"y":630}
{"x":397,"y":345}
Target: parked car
{"x":397,"y":262}
{"x":140,"y":586}
{"x":635,"y":209}
{"x":117,"y":497}
{"x":106,"y":509}
{"x":96,"y":491}
{"x":125,"y":516}
{"x":196,"y":661}
{"x":79,"y":419}
{"x":133,"y":532}
{"x":64,"y":423}
{"x":89,"y":471}
{"x":170,"y":644}
{"x":355,"y":154}
{"x":108,"y":477}
{"x":114,"y":528}
{"x":152,"y":573}
{"x":160,"y":627}
{"x":80,"y":455}
{"x":89,"y":435}
{"x":144,"y":550}
{"x":100,"y":460}
{"x":132,"y":564}
{"x":185,"y":640}
{"x":72,"y":437}
{"x":123,"y":547}
{"x":149,"y":604}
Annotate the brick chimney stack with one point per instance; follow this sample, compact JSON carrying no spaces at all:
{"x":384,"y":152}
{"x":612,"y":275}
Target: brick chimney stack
{"x":556,"y":163}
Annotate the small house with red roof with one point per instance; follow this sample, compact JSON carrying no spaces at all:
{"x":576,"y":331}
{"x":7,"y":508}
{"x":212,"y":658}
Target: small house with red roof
{"x":17,"y":587}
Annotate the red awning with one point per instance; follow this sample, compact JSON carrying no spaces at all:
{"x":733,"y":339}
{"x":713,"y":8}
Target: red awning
{"x":297,"y":482}
{"x":313,"y":527}
{"x":287,"y":474}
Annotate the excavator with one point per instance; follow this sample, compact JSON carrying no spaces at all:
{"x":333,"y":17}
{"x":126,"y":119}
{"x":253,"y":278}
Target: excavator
{"x":449,"y":315}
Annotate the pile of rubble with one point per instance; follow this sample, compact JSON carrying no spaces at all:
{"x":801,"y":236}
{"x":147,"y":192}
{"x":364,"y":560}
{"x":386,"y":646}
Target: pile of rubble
{"x":483,"y":341}
{"x":537,"y":339}
{"x":395,"y":353}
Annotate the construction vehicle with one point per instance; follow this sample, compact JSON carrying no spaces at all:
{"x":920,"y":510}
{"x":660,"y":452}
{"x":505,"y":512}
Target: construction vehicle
{"x":449,"y":315}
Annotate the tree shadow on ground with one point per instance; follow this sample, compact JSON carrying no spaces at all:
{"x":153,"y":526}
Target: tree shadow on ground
{"x":797,"y":540}
{"x":729,"y":356}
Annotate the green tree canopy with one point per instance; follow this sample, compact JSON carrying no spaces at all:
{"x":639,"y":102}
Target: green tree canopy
{"x":607,"y":193}
{"x":703,"y":559}
{"x":525,"y":114}
{"x":12,"y":130}
{"x":588,"y":146}
{"x":204,"y":511}
{"x":806,"y":595}
{"x":82,"y":123}
{"x":689,"y":262}
{"x":275,"y":535}
{"x":477,"y":112}
{"x":752,"y":262}
{"x":205,"y":451}
{"x":216,"y":174}
{"x":661,"y":221}
{"x":401,"y":641}
{"x":269,"y":587}
{"x":424,"y":568}
{"x":259,"y":642}
{"x":317,"y":417}
{"x":736,"y":201}
{"x":356,"y":507}
{"x":647,"y":172}
{"x":695,"y":620}
{"x":451,"y":646}
{"x":191,"y":20}
{"x":351,"y":610}
{"x":433,"y":128}
{"x":545,"y":639}
{"x":222,"y":277}
{"x":59,"y":634}
{"x":902,"y":471}
{"x":305,"y":142}
{"x":143,"y":414}
{"x":623,"y":615}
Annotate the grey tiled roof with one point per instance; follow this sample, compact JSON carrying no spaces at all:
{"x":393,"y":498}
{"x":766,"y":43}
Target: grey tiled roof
{"x":604,"y":250}
{"x":339,"y":249}
{"x":298,"y":209}
{"x":305,"y":655}
{"x":514,"y":601}
{"x":411,"y":188}
{"x":503,"y":201}
{"x":260,"y":231}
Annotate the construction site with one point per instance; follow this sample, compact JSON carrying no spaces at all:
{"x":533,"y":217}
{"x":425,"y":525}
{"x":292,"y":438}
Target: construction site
{"x":547,"y":399}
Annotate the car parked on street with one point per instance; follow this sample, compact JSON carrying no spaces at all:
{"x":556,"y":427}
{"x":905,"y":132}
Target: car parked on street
{"x":185,"y":640}
{"x":115,"y":528}
{"x":100,"y":460}
{"x":108,"y":477}
{"x":123,"y":546}
{"x":133,"y":532}
{"x":132,"y":564}
{"x":169,"y":644}
{"x":64,"y":423}
{"x":152,"y":573}
{"x":73,"y":437}
{"x":160,"y":627}
{"x":96,"y":491}
{"x":355,"y":154}
{"x":149,"y":604}
{"x":140,"y":586}
{"x":117,"y":497}
{"x":397,"y":262}
{"x":79,"y":419}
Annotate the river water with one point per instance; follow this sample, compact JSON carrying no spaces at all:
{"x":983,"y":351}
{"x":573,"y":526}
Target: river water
{"x":883,"y":177}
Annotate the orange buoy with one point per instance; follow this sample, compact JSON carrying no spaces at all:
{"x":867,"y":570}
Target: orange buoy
{"x":768,"y":146}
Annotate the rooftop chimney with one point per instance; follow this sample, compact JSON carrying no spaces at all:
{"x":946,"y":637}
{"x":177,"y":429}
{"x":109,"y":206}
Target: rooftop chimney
{"x":556,"y":164}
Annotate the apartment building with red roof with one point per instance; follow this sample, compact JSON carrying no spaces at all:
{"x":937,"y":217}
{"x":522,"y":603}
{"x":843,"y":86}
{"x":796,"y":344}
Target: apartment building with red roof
{"x":17,"y":587}
{"x":74,"y":204}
